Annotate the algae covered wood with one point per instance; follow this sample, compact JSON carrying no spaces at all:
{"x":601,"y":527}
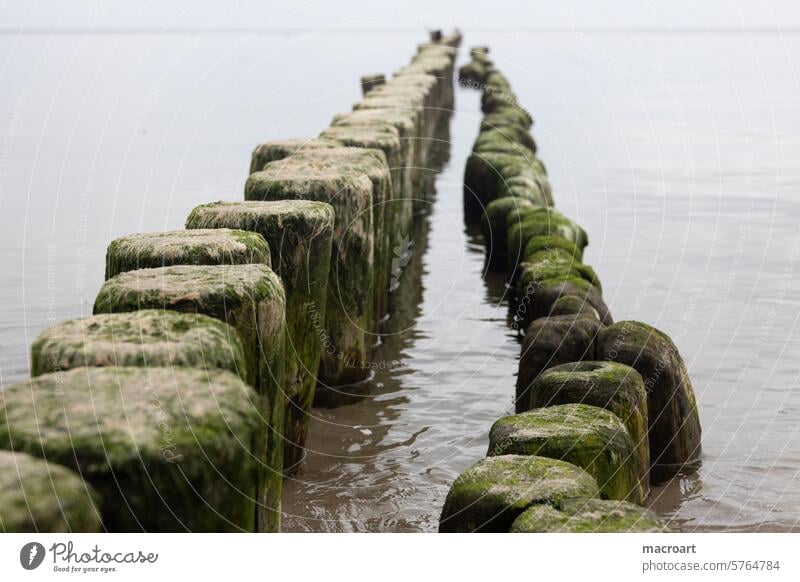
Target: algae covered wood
{"x":183,"y":247}
{"x":360,"y":128}
{"x":491,"y":494}
{"x":350,"y":311}
{"x":399,"y":157}
{"x":251,"y":299}
{"x":279,"y":149}
{"x":166,"y":449}
{"x":488,"y":172}
{"x":674,"y":423}
{"x":586,"y":436}
{"x":37,"y":496}
{"x":540,"y":294}
{"x":551,"y":341}
{"x":538,"y":222}
{"x":388,"y":230}
{"x":371,"y":81}
{"x":299,"y":233}
{"x":146,"y":338}
{"x":572,"y":305}
{"x":494,"y":226}
{"x":588,"y":516}
{"x":616,"y":387}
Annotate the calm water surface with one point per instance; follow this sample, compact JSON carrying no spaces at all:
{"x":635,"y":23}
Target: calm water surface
{"x":677,"y":153}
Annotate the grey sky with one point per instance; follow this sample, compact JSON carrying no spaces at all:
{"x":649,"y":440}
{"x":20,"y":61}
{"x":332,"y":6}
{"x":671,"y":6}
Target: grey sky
{"x":347,"y":14}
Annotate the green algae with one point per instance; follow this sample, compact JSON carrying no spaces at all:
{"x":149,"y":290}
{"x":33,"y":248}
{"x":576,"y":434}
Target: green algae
{"x":166,"y":449}
{"x":586,"y":436}
{"x":541,"y":222}
{"x":251,"y":299}
{"x":493,"y":492}
{"x":588,"y":516}
{"x":551,"y":341}
{"x":299,"y":233}
{"x":350,"y":305}
{"x":573,"y":305}
{"x":41,"y":497}
{"x":272,"y":151}
{"x":487,"y":172}
{"x":494,"y":225}
{"x":615,"y":387}
{"x":674,"y":423}
{"x":181,"y":247}
{"x":146,"y":338}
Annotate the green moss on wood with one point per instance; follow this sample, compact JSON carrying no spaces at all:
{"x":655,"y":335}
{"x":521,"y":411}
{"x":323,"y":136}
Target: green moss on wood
{"x":182,"y":247}
{"x":572,"y":305}
{"x":279,"y":149}
{"x":505,"y":140}
{"x":147,"y":338}
{"x":251,"y":299}
{"x":487,"y":172}
{"x":542,"y":222}
{"x":506,"y":118}
{"x":674,"y":422}
{"x":299,"y":233}
{"x":493,"y":223}
{"x":41,"y":497}
{"x":350,"y":311}
{"x":588,"y":516}
{"x":550,"y":341}
{"x":167,"y":449}
{"x":492,"y":493}
{"x":540,"y":296}
{"x":548,"y":242}
{"x":586,"y":436}
{"x":615,"y":387}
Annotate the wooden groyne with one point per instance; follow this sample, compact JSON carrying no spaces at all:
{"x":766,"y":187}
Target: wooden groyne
{"x":604,"y":409}
{"x":182,"y":401}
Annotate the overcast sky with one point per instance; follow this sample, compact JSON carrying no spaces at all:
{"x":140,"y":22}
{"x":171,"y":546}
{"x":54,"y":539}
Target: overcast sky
{"x":347,"y":14}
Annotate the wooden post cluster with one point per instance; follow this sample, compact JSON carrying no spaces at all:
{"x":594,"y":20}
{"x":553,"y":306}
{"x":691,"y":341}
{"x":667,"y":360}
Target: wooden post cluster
{"x":603,"y":409}
{"x":373,"y":166}
{"x":182,"y":401}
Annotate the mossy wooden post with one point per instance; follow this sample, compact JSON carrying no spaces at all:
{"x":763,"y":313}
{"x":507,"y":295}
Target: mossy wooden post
{"x":474,"y":72}
{"x":437,"y":59}
{"x":551,"y":341}
{"x":488,"y":175}
{"x":588,"y":516}
{"x":41,"y":497}
{"x":299,"y":233}
{"x":672,"y":409}
{"x":616,"y":387}
{"x":536,"y":298}
{"x":491,"y":494}
{"x":397,"y":207}
{"x":251,"y":299}
{"x":399,"y":156}
{"x":272,"y":151}
{"x":183,"y":247}
{"x":146,"y":338}
{"x":388,"y":110}
{"x":369,"y":82}
{"x":541,"y":222}
{"x":386,"y":225}
{"x":166,"y":449}
{"x":551,"y":265}
{"x":572,"y":305}
{"x":350,"y":314}
{"x":589,"y":437}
